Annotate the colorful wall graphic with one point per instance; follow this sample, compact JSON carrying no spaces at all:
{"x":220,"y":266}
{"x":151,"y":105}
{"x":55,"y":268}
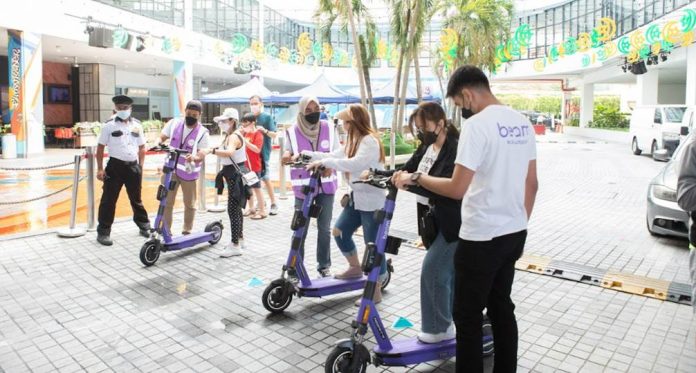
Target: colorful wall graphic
{"x":26,"y":90}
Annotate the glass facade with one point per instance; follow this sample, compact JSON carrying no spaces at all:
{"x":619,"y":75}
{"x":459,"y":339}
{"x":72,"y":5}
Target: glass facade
{"x":551,"y":26}
{"x":223,"y":18}
{"x":168,"y":11}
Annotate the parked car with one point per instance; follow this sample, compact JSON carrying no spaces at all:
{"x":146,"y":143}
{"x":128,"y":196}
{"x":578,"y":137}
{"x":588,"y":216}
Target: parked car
{"x":664,"y":216}
{"x":656,"y":128}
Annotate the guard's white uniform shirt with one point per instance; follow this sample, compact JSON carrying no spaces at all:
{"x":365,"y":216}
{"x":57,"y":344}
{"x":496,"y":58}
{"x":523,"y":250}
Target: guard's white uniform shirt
{"x":122,"y":138}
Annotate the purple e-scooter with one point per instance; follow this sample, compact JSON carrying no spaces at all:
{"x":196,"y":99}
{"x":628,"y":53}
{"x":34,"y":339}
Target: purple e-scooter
{"x":279,"y":293}
{"x":161,"y":239}
{"x":350,"y":355}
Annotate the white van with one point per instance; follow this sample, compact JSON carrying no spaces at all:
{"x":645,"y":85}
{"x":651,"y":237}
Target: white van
{"x":656,"y":128}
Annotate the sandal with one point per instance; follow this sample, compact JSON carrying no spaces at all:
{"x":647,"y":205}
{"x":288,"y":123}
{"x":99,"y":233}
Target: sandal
{"x":248,"y":212}
{"x":258,"y":216}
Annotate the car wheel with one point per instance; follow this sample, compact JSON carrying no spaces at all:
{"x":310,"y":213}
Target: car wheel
{"x":635,"y":148}
{"x":653,"y":149}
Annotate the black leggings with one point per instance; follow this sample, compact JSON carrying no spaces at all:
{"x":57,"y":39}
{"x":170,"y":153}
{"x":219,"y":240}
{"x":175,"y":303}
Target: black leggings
{"x":234,"y":210}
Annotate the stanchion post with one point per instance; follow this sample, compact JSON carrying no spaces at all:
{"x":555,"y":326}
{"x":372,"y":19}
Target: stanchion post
{"x":71,"y":231}
{"x":281,"y":168}
{"x":201,"y":187}
{"x":91,"y":225}
{"x":217,"y":207}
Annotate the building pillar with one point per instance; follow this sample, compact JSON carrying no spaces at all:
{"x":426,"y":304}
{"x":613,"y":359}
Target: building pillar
{"x":182,"y":86}
{"x":188,"y":15}
{"x":97,"y":88}
{"x":691,"y":75}
{"x":25,"y":68}
{"x":647,"y":87}
{"x":565,"y":106}
{"x":586,"y":104}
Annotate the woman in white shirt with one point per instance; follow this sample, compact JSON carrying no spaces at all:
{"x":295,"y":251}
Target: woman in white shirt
{"x":363,"y":151}
{"x":232,"y":150}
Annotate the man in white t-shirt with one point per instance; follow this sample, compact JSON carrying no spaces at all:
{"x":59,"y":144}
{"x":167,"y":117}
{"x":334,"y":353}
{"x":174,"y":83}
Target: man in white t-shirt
{"x":495,"y":176}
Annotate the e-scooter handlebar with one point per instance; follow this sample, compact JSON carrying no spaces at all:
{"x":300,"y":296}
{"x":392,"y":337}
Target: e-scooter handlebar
{"x":168,"y":149}
{"x":302,"y":161}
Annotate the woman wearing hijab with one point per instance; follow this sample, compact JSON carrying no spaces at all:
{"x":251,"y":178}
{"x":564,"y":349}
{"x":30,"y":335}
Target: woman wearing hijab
{"x":363,"y":151}
{"x":310,"y":134}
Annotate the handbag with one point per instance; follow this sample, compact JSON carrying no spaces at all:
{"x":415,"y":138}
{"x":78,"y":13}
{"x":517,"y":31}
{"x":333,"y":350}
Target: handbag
{"x":248,"y":178}
{"x":427,"y":227}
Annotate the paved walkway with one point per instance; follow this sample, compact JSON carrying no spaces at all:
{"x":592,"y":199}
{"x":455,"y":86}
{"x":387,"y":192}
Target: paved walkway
{"x":71,"y":305}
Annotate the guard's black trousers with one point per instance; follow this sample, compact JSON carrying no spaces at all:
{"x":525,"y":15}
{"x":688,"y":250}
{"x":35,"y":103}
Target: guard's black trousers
{"x":118,"y":174}
{"x":484,"y":272}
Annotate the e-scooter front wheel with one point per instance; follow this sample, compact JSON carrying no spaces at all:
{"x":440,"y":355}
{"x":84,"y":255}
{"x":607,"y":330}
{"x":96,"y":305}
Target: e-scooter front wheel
{"x":216,"y":229}
{"x":277,"y":296}
{"x":344,"y":360}
{"x":149,"y":253}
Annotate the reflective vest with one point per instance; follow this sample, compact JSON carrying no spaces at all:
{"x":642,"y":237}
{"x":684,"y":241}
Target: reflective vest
{"x":190,"y":143}
{"x":298,"y":142}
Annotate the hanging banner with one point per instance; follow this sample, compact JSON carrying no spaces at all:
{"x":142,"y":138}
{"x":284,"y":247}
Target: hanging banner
{"x":25,"y":91}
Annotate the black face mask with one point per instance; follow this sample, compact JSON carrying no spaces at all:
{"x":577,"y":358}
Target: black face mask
{"x":467,"y":113}
{"x":312,"y":118}
{"x":430,"y":137}
{"x":190,"y":121}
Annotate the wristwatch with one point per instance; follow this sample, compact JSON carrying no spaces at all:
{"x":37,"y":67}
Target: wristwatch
{"x":415,"y":176}
{"x":214,"y":149}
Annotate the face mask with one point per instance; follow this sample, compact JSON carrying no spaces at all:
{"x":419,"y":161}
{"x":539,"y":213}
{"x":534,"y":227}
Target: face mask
{"x":190,"y":121}
{"x":224,"y":126}
{"x":256,"y":109}
{"x":312,"y":118}
{"x":467,"y":113}
{"x":123,"y":114}
{"x":430,"y":137}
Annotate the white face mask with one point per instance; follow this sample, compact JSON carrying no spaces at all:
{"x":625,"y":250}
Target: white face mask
{"x":123,"y":114}
{"x":256,"y":109}
{"x":224,"y":125}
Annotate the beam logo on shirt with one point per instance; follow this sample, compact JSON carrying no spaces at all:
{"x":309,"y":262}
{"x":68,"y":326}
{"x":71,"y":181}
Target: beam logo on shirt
{"x":514,"y":134}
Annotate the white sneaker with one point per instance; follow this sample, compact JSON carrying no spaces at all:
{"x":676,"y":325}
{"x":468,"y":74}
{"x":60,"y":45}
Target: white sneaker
{"x":439,"y":337}
{"x":242,"y":244}
{"x":231,"y":250}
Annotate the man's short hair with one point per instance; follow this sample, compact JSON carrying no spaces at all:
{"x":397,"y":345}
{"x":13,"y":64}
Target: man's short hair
{"x":467,"y":76}
{"x":256,"y":97}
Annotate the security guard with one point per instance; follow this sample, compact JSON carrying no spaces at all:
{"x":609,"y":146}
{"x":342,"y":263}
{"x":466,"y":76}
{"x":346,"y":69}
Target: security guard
{"x":123,"y":135}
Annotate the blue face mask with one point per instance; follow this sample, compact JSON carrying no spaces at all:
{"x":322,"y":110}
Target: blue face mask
{"x":123,"y":114}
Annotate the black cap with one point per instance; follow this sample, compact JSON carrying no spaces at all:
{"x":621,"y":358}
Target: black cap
{"x":122,"y":99}
{"x":195,"y":105}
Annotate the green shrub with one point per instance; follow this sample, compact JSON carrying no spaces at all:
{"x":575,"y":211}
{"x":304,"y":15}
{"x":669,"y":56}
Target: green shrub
{"x":401,"y":146}
{"x":608,"y":117}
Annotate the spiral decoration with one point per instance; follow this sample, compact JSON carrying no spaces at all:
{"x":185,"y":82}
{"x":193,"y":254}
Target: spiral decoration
{"x":570,"y":46}
{"x":239,"y":43}
{"x":653,"y":34}
{"x":672,"y":33}
{"x":272,"y":50}
{"x":624,"y":45}
{"x":304,"y":44}
{"x":284,"y":54}
{"x":606,"y":29}
{"x":584,"y":42}
{"x":326,"y":52}
{"x":688,"y":20}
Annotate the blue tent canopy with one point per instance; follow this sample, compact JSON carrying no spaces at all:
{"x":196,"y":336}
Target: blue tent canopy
{"x":385,"y":94}
{"x":239,"y":95}
{"x":322,"y":89}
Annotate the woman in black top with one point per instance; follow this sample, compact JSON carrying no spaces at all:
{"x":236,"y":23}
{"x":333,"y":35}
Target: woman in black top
{"x":439,"y":219}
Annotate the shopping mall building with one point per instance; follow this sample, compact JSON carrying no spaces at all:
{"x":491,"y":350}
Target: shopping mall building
{"x":61,"y":61}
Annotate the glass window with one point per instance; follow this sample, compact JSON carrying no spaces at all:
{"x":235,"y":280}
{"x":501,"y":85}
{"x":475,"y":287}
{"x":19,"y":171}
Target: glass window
{"x":674,"y":114}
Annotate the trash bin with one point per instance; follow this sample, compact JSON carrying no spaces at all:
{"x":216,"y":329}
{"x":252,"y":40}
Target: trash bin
{"x":9,"y":146}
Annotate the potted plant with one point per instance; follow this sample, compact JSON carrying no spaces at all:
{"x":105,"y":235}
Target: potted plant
{"x":86,"y":133}
{"x":9,"y":141}
{"x":151,"y":129}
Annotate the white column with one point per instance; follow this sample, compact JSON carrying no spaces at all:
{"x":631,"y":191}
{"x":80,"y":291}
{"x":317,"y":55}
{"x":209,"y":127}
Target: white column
{"x":262,"y":20}
{"x":646,"y":87}
{"x":691,"y":75}
{"x":188,"y":14}
{"x":586,"y":104}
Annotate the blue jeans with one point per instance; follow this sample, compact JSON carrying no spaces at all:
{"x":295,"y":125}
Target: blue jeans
{"x":348,"y":222}
{"x":326,"y":202}
{"x":437,"y":286}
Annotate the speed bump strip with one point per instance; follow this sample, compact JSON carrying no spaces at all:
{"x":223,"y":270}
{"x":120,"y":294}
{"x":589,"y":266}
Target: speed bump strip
{"x":633,"y":284}
{"x":532,"y":263}
{"x":679,"y":293}
{"x":576,"y":272}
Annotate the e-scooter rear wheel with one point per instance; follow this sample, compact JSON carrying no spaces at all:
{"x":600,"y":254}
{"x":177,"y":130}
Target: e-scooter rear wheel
{"x":277,"y":296}
{"x":340,"y":360}
{"x":216,"y":229}
{"x":387,"y":276}
{"x":149,"y":253}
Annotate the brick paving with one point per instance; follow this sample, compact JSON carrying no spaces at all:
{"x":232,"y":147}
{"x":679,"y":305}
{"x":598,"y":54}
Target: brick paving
{"x":72,"y":305}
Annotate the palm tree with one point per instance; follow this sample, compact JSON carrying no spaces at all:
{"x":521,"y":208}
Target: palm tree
{"x":350,"y":13}
{"x":480,"y":25}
